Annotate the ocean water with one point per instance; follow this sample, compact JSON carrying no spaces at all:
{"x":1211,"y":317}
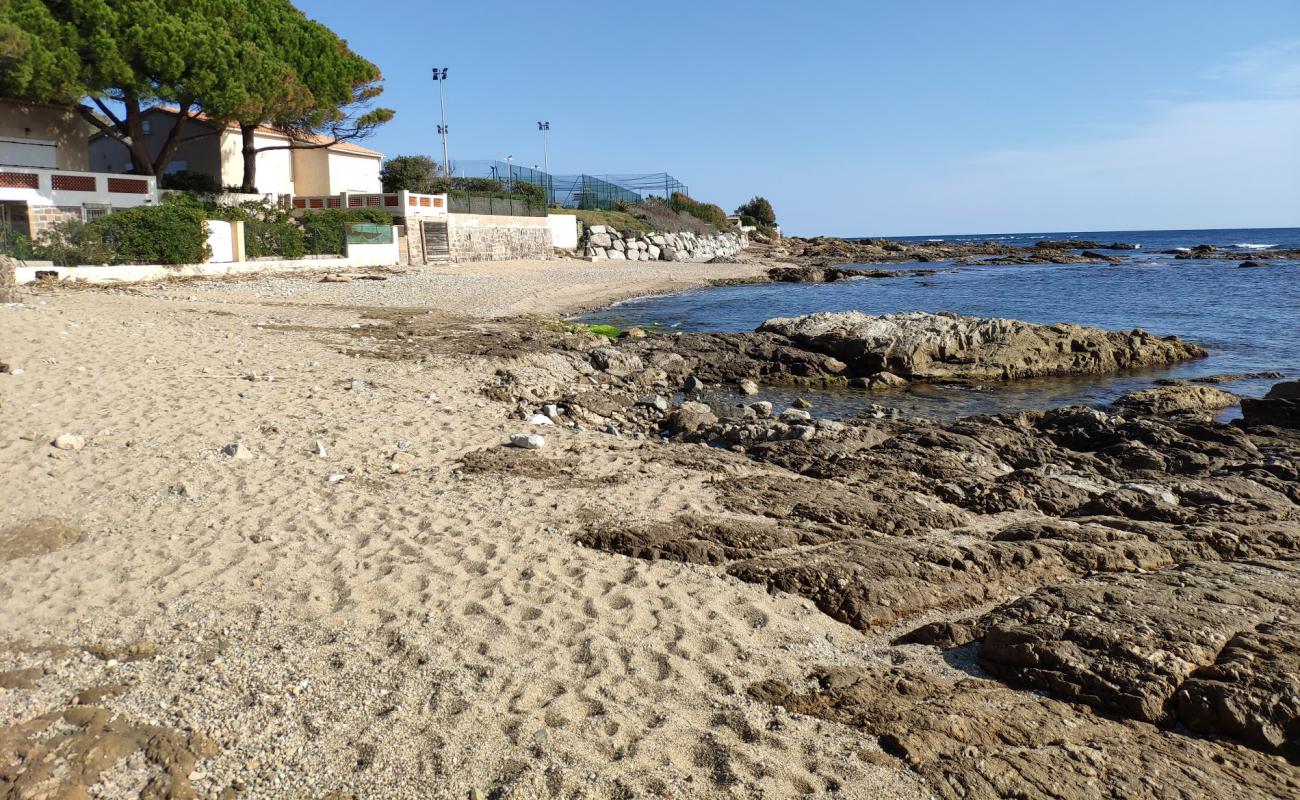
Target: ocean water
{"x":1248,"y":319}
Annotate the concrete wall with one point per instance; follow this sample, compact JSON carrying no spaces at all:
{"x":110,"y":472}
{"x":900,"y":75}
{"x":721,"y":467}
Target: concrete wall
{"x":481,"y":237}
{"x":352,"y":172}
{"x":374,"y":255}
{"x":34,"y":128}
{"x":564,"y":231}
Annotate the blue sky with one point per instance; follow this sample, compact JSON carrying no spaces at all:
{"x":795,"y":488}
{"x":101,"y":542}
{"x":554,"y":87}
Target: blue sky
{"x":865,"y":118}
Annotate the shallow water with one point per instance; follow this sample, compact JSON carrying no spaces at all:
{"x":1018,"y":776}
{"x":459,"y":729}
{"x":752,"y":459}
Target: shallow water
{"x":1248,"y":319}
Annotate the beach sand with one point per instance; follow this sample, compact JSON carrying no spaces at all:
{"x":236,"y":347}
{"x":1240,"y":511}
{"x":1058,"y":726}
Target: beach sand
{"x":309,"y":622}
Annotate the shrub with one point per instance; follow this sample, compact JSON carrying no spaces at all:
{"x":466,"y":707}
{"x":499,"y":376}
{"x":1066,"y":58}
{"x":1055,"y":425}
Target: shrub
{"x":269,"y":231}
{"x":188,"y":181}
{"x":160,"y":234}
{"x":70,"y":243}
{"x":324,"y":232}
{"x":760,"y":209}
{"x":710,"y":213}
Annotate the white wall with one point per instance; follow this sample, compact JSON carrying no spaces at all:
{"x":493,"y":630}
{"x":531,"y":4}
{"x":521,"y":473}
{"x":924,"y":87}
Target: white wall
{"x":220,"y":241}
{"x":564,"y":230}
{"x":353,"y":172}
{"x":274,"y":167}
{"x":46,"y":195}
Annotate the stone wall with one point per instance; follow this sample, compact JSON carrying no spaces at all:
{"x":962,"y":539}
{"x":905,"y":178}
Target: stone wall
{"x":604,"y":243}
{"x":8,"y":280}
{"x":481,"y":237}
{"x":40,"y":218}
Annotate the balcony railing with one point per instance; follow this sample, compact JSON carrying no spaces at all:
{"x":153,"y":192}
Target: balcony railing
{"x":58,"y":187}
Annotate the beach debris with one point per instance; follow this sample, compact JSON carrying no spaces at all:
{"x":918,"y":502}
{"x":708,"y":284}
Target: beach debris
{"x":540,"y":419}
{"x":69,"y":441}
{"x":320,"y":449}
{"x":799,"y":402}
{"x":238,"y":451}
{"x":528,"y":441}
{"x":692,"y":385}
{"x":336,"y":279}
{"x":747,"y":386}
{"x":336,"y":477}
{"x":656,"y":401}
{"x":358,"y":385}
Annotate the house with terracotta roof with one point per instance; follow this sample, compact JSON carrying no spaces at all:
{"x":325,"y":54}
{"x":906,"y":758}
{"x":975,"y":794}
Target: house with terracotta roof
{"x":45,"y":174}
{"x":210,"y":149}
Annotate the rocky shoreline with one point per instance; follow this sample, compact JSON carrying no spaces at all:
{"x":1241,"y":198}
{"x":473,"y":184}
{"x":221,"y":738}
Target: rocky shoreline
{"x":1140,"y":566}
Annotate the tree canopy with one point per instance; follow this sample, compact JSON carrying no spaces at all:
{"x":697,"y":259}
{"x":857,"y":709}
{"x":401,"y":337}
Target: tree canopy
{"x":760,"y":209}
{"x":250,"y":62}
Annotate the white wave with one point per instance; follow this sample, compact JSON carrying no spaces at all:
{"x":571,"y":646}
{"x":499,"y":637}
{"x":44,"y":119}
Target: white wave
{"x":1183,"y":249}
{"x":1251,"y":246}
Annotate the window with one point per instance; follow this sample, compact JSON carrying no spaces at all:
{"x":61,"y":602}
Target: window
{"x":146,"y":127}
{"x":93,"y":211}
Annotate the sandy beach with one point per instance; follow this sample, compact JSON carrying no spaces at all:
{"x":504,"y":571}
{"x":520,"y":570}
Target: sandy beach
{"x":308,"y":622}
{"x":267,"y":538}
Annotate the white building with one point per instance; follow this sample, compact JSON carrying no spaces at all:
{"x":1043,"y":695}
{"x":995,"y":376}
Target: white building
{"x":218,"y":153}
{"x":45,"y":174}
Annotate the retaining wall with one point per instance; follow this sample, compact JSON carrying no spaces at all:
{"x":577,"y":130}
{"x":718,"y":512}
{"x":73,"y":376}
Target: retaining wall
{"x":484,"y":237}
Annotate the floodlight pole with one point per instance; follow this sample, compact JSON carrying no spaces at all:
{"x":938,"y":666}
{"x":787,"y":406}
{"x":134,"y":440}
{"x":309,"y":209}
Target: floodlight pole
{"x":545,"y":128}
{"x":440,"y":77}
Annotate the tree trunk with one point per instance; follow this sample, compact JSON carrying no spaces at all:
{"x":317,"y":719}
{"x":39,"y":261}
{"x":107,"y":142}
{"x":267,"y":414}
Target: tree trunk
{"x":141,"y":162}
{"x":246,"y":133}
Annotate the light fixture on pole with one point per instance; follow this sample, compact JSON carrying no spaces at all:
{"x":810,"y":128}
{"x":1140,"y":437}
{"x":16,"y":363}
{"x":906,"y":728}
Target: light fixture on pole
{"x":545,"y":128}
{"x":440,"y":77}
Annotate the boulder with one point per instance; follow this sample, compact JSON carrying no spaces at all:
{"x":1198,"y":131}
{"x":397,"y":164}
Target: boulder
{"x":615,"y":361}
{"x":947,"y":346}
{"x":1178,"y":399}
{"x":615,"y":255}
{"x":601,"y":239}
{"x":1281,"y":406}
{"x":690,"y":417}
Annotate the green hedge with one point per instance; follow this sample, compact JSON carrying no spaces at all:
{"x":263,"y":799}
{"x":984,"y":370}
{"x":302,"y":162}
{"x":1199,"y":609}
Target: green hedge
{"x":324,"y":233}
{"x":154,"y":235}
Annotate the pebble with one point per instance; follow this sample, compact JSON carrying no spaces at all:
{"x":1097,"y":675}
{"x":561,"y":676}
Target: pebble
{"x":763,"y":408}
{"x":16,"y":371}
{"x":528,"y":441}
{"x":551,"y":410}
{"x":748,"y":387}
{"x":801,"y":403}
{"x":237,"y":450}
{"x":335,"y":478}
{"x":320,"y":449}
{"x":693,"y":384}
{"x":69,"y":441}
{"x":540,"y":419}
{"x":358,"y":385}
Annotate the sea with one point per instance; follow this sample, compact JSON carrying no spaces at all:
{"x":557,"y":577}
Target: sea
{"x":1248,"y":319}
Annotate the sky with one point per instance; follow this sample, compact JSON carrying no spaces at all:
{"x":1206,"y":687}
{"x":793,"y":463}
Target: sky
{"x":875,"y":117}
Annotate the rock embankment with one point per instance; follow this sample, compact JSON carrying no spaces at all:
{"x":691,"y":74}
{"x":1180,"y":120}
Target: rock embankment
{"x":945,"y":346}
{"x":601,"y":242}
